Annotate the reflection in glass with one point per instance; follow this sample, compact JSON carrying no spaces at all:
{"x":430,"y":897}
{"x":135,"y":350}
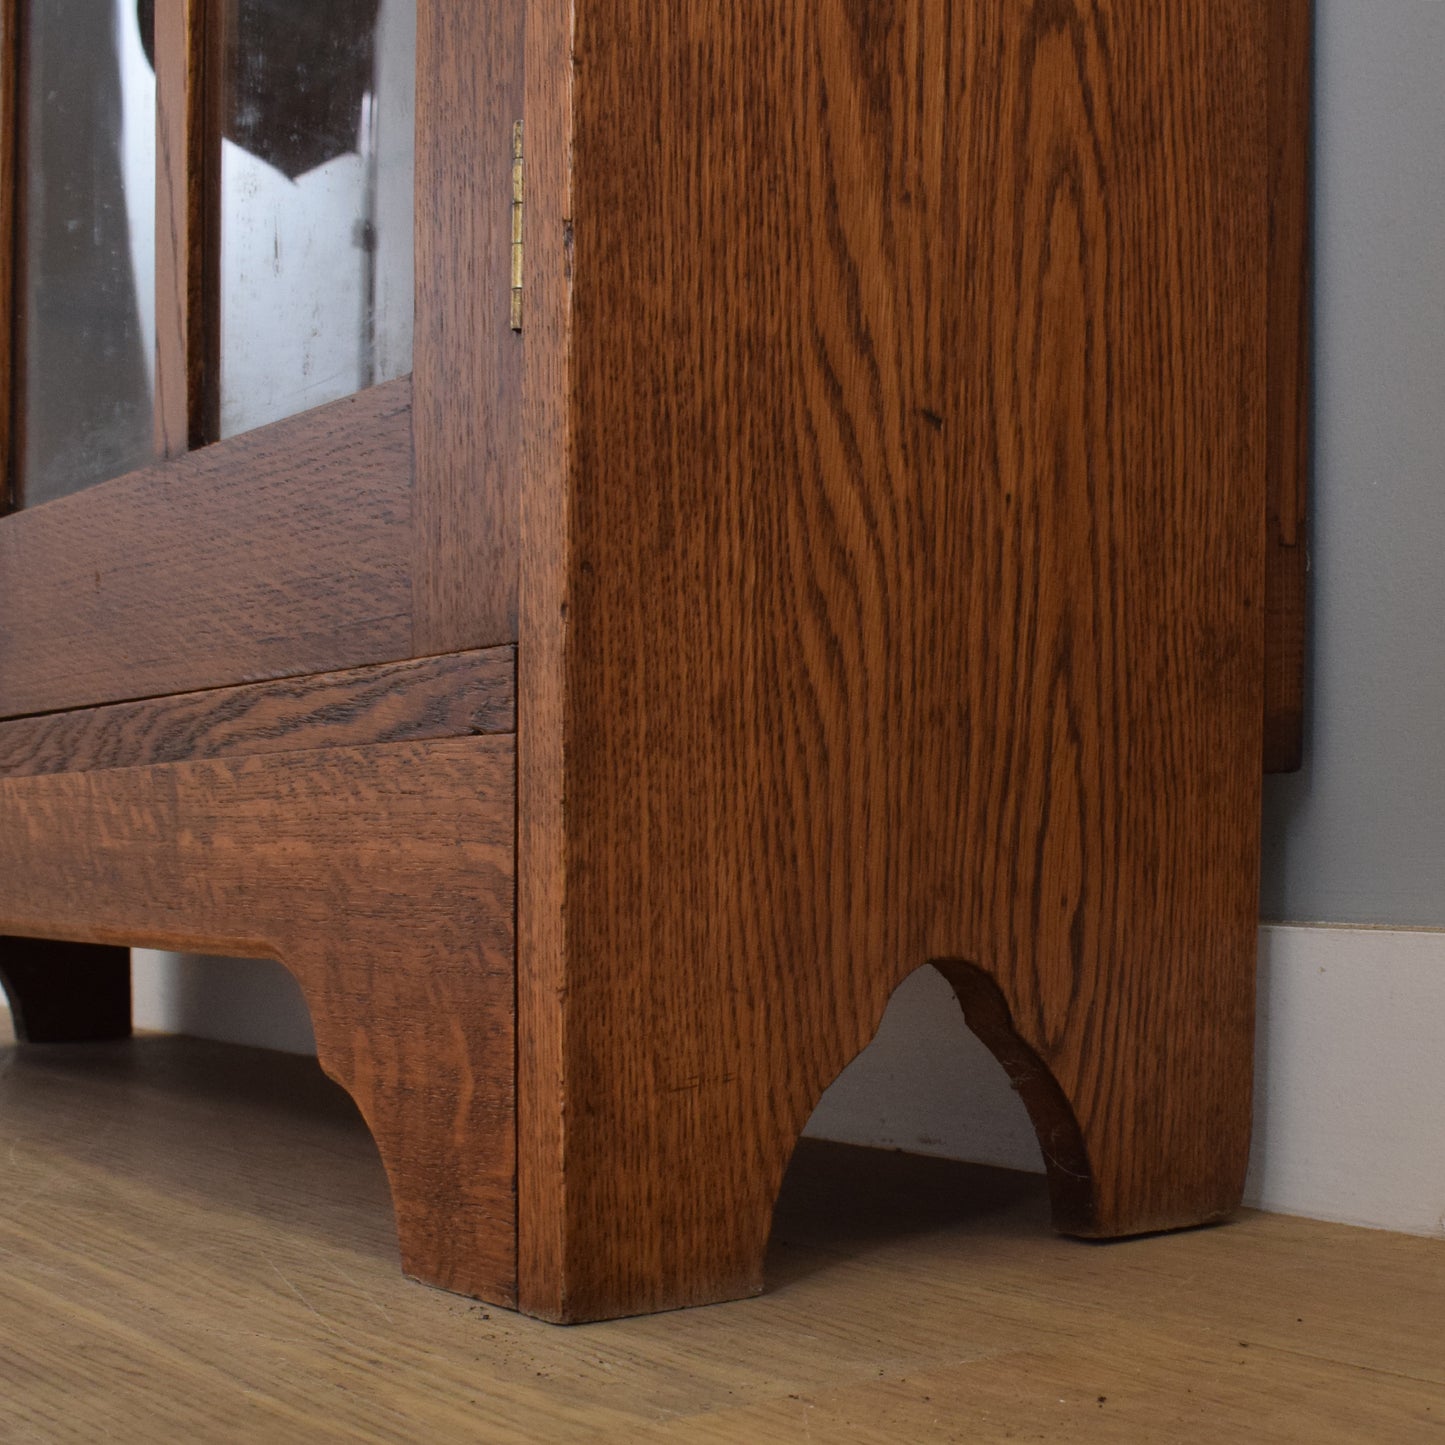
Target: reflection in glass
{"x":89,"y":232}
{"x":316,"y":176}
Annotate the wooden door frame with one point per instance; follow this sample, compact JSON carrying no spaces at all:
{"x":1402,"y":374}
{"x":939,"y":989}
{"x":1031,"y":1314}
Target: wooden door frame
{"x":378,"y":528}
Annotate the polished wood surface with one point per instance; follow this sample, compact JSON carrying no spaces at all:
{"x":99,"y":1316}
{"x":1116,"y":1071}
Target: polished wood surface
{"x":274,"y":554}
{"x":542,"y":1222}
{"x":382,"y":878}
{"x":461,"y":695}
{"x":188,"y":49}
{"x":468,"y":361}
{"x":1291,"y":56}
{"x":911,"y":597}
{"x":197,"y":1245}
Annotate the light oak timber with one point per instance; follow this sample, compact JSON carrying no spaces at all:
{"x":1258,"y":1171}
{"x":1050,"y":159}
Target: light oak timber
{"x":1291,"y":57}
{"x":382,"y":877}
{"x":461,"y":695}
{"x":198,"y":1246}
{"x":909,"y":597}
{"x":469,"y":430}
{"x":277,"y":553}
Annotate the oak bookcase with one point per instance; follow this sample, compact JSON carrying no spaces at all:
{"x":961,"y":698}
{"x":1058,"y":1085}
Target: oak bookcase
{"x":879,"y":546}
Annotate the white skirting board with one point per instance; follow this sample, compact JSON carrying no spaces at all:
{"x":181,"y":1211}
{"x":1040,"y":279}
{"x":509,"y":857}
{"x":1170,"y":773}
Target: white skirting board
{"x":1349,"y":1115}
{"x":1350,"y":1082}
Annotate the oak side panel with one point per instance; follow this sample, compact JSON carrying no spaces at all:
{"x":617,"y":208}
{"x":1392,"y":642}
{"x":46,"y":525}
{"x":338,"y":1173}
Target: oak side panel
{"x":468,"y":360}
{"x":542,"y":960}
{"x":913,"y":587}
{"x":382,"y":877}
{"x":281,"y":552}
{"x":462,"y":695}
{"x":1291,"y":56}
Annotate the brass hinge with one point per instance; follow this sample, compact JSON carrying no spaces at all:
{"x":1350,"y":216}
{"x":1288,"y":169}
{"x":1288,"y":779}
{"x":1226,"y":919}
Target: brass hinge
{"x":516,"y":225}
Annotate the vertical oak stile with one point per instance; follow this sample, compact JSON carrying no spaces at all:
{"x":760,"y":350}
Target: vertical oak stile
{"x":543,"y":1018}
{"x":189,"y":52}
{"x":467,"y":362}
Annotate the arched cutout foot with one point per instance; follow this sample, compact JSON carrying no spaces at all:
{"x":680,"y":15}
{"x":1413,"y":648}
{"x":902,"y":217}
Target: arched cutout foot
{"x":1148,"y":1130}
{"x":1066,"y":1159}
{"x":66,"y":993}
{"x":987,"y":1014}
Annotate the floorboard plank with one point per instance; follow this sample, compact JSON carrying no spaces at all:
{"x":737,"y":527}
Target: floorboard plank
{"x":196,"y":1242}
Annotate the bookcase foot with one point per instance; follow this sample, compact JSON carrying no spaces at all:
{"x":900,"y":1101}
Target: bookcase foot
{"x":1132,"y":1142}
{"x":66,"y":993}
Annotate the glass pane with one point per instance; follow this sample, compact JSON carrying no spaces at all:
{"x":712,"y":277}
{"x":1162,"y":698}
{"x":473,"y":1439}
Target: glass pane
{"x":316,"y":207}
{"x":89,"y":228}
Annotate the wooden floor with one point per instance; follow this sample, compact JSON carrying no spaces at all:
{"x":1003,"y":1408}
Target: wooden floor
{"x":197,"y":1246}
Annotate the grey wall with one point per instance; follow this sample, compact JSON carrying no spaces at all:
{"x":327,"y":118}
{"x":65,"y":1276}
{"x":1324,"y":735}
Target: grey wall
{"x":1359,"y":836}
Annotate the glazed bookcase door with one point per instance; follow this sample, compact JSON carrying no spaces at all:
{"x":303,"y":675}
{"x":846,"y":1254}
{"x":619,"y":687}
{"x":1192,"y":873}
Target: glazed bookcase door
{"x":375,"y":528}
{"x":257,"y":692}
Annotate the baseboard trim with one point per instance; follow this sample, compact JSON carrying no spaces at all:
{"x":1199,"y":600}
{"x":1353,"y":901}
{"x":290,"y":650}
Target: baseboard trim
{"x":1349,"y":1117}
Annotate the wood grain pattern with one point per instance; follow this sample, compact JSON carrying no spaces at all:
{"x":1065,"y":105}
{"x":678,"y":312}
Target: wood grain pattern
{"x":468,"y":361}
{"x":542,"y":1222}
{"x":1286,"y":554}
{"x":197,"y":1248}
{"x":9,"y":248}
{"x":382,"y":877}
{"x":913,"y":593}
{"x":274,"y":554}
{"x":66,"y":992}
{"x":461,"y":695}
{"x":188,"y":50}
